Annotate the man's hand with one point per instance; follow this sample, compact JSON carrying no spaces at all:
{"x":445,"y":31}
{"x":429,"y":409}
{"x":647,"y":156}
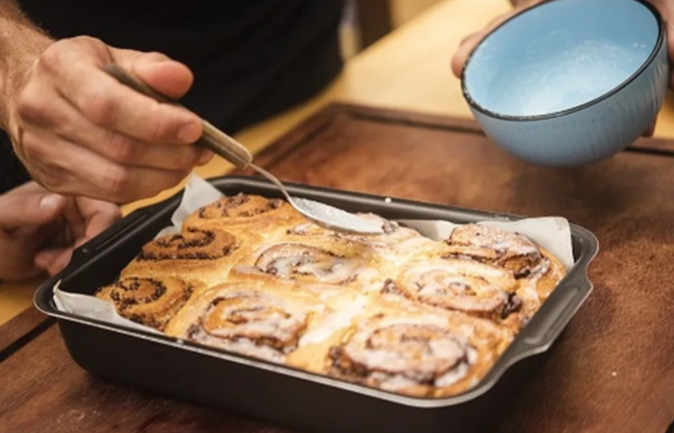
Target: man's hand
{"x":469,"y":43}
{"x":39,"y":230}
{"x":80,"y":132}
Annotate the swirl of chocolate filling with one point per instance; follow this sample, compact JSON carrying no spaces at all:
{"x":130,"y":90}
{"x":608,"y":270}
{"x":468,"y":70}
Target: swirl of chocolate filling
{"x":252,"y":324}
{"x":403,"y":356}
{"x":148,"y":301}
{"x":240,"y":206}
{"x":192,"y":244}
{"x":497,"y":247}
{"x":307,"y":263}
{"x":441,"y":286}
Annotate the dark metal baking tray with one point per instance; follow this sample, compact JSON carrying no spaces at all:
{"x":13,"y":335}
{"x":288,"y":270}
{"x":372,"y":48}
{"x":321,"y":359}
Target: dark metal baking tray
{"x":284,"y":395}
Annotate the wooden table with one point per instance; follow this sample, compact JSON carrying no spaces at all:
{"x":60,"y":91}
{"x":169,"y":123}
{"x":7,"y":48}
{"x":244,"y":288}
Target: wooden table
{"x":613,"y":367}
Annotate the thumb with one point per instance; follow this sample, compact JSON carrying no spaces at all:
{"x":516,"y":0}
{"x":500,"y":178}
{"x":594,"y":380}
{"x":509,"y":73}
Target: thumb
{"x":463,"y":52}
{"x":467,"y":45}
{"x":158,"y":71}
{"x":18,"y":210}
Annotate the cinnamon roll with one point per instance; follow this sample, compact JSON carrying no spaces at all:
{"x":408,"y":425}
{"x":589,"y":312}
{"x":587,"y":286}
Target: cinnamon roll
{"x":469,"y":287}
{"x":497,"y":247}
{"x":427,"y":355}
{"x":148,"y":301}
{"x":195,"y":254}
{"x":246,"y":212}
{"x":311,"y":263}
{"x":249,"y":319}
{"x":511,"y":251}
{"x":395,"y":244}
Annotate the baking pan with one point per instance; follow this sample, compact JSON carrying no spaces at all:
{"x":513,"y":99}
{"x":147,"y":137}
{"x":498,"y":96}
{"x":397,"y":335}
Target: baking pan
{"x":284,"y":395}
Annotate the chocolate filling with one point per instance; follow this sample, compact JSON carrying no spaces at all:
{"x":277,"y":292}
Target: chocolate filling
{"x":390,"y":287}
{"x":512,"y":305}
{"x":163,"y":311}
{"x":175,"y":247}
{"x":226,"y":207}
{"x":133,"y":285}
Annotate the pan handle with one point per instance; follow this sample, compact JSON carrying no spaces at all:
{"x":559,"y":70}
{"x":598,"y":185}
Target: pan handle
{"x":546,"y":325}
{"x":118,"y":230}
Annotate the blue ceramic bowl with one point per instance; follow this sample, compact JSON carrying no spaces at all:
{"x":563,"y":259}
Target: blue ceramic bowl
{"x":570,"y":82}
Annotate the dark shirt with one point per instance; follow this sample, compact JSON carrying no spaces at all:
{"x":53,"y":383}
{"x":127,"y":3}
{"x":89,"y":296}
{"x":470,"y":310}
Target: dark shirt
{"x":251,"y":58}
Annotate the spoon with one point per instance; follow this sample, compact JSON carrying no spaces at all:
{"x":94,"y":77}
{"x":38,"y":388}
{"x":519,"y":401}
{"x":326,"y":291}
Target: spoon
{"x":228,"y":148}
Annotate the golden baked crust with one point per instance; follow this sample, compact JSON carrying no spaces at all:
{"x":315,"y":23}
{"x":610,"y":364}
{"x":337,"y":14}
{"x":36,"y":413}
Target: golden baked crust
{"x":465,"y":286}
{"x":149,"y":301}
{"x":250,"y":213}
{"x":537,"y":271}
{"x":248,"y":318}
{"x":396,"y":311}
{"x":407,"y":348}
{"x":196,"y":254}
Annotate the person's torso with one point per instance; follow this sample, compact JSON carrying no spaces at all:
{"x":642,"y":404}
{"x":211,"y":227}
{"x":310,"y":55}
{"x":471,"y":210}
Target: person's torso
{"x":243,"y":52}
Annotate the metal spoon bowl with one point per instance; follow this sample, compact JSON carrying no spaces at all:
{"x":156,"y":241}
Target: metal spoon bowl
{"x":322,"y":214}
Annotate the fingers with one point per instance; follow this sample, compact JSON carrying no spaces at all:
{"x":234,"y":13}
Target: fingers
{"x":65,"y":121}
{"x":463,"y":52}
{"x":81,"y":132}
{"x":87,"y":218}
{"x":167,"y":76}
{"x":469,"y":43}
{"x":98,"y":215}
{"x":30,"y":205}
{"x":75,"y":170}
{"x":53,"y":261}
{"x":75,"y":222}
{"x":76,"y":74}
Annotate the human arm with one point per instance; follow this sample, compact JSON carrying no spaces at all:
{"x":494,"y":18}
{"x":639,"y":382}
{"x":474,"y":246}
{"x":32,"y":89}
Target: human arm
{"x":77,"y":130}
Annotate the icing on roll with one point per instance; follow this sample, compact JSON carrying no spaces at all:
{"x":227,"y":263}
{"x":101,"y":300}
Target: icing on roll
{"x":469,"y":287}
{"x":498,"y":247}
{"x":192,"y":244}
{"x":148,"y":301}
{"x":394,"y":243}
{"x":308,"y":263}
{"x":443,"y":285}
{"x":404,"y":355}
{"x":253,"y":323}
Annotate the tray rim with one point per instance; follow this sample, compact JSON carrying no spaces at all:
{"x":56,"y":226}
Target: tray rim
{"x":579,"y":271}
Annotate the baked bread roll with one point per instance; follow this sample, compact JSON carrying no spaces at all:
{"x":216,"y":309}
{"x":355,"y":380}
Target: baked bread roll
{"x":149,"y":301}
{"x":407,"y":349}
{"x":537,"y":271}
{"x":394,"y":245}
{"x":318,"y":260}
{"x":465,"y":286}
{"x":251,"y":319}
{"x":204,"y":255}
{"x":250,"y":213}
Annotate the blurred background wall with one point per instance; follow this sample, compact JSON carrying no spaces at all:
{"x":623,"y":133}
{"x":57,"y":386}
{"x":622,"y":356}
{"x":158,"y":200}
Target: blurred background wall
{"x":366,"y":21}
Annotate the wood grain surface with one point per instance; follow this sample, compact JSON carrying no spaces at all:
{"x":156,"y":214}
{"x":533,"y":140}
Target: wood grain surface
{"x":613,"y":369}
